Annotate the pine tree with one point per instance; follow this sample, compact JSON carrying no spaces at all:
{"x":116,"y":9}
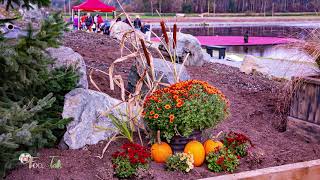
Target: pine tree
{"x":24,"y":3}
{"x":31,"y":96}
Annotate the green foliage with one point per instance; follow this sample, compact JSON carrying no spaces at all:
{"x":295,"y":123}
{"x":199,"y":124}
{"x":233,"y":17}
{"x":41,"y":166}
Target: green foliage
{"x":232,"y":6}
{"x":20,"y":132}
{"x":132,"y":158}
{"x":123,"y":168}
{"x":222,"y":160}
{"x":55,"y":163}
{"x":31,"y":96}
{"x":156,"y":15}
{"x":122,"y":126}
{"x":24,"y":3}
{"x":186,"y":7}
{"x":183,"y":108}
{"x":23,"y":63}
{"x":59,"y":82}
{"x":237,"y":142}
{"x":180,"y":162}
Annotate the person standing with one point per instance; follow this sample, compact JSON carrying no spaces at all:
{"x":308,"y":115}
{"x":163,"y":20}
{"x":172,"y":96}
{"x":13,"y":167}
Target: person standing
{"x":83,"y":21}
{"x":95,"y":23}
{"x":127,"y":21}
{"x":118,"y":19}
{"x":246,"y":37}
{"x":89,"y":22}
{"x":137,"y":23}
{"x":99,"y":21}
{"x":75,"y":22}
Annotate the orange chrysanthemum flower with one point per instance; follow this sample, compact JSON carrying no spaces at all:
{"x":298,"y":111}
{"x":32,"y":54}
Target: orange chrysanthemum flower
{"x":179,"y":104}
{"x":179,"y":101}
{"x":156,"y":116}
{"x":151,"y":112}
{"x":171,"y":116}
{"x":167,"y":106}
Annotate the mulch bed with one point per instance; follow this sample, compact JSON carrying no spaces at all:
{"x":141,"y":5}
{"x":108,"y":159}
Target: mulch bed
{"x":253,"y":112}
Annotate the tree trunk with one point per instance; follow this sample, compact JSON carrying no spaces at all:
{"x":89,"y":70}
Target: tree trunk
{"x":151,"y":4}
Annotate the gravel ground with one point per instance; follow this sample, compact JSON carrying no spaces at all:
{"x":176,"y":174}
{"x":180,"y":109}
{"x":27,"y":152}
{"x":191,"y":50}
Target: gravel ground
{"x":254,"y":102}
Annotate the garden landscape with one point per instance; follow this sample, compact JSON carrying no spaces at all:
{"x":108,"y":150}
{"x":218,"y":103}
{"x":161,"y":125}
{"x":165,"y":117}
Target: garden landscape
{"x":219,"y":92}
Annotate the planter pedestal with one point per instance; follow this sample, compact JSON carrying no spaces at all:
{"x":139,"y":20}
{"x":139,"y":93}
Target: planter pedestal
{"x":304,"y":116}
{"x":178,"y":143}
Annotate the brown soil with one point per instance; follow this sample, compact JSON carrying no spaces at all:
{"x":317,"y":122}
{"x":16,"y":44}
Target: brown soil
{"x":253,"y":103}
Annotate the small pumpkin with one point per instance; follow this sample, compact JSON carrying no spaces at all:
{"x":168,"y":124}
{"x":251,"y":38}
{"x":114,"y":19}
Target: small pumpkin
{"x":160,"y":151}
{"x":211,"y":145}
{"x":197,"y":150}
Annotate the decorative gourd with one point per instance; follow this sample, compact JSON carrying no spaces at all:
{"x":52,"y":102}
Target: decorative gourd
{"x":211,"y":145}
{"x":160,"y":151}
{"x":197,"y":150}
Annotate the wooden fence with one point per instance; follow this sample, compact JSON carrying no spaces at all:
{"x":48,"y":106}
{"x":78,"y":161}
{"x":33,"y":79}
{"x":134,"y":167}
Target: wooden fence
{"x":304,"y":117}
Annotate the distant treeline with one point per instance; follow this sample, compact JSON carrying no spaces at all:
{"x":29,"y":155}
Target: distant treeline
{"x":203,"y":6}
{"x":222,"y":6}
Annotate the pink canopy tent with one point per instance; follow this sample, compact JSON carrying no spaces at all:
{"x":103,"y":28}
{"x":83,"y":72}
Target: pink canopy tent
{"x":92,"y":6}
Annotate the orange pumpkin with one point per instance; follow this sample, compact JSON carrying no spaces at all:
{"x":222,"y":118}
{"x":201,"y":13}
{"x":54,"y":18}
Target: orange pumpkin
{"x":197,"y":150}
{"x":160,"y":151}
{"x":211,"y":145}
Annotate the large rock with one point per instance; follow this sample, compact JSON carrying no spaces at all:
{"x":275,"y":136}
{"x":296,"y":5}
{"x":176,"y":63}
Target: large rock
{"x":34,"y":14}
{"x":161,"y":67}
{"x":66,"y":57}
{"x":4,"y":14}
{"x":10,"y":30}
{"x":85,"y":107}
{"x":187,"y":43}
{"x":167,"y":69}
{"x":250,"y":64}
{"x":119,"y":29}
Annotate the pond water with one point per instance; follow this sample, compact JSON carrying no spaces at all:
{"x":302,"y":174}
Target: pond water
{"x":262,"y":31}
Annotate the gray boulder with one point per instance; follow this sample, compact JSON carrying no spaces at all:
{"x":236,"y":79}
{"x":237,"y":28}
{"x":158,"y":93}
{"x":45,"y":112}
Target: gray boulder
{"x":187,"y":43}
{"x":160,"y":67}
{"x":167,"y":68}
{"x":34,"y":14}
{"x":86,"y":108}
{"x":119,"y":29}
{"x":66,"y":57}
{"x":251,"y":64}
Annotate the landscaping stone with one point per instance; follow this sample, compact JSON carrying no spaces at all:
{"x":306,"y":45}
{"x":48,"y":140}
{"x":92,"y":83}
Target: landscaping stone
{"x":161,"y":67}
{"x":85,"y":107}
{"x":187,"y":43}
{"x":250,"y":64}
{"x":119,"y":29}
{"x":66,"y":57}
{"x":34,"y":14}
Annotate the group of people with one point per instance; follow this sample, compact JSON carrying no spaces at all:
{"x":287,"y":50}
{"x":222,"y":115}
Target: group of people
{"x":98,"y":24}
{"x":137,"y":24}
{"x":91,"y":24}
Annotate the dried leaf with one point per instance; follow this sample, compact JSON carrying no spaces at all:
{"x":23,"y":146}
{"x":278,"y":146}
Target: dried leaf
{"x":92,"y":81}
